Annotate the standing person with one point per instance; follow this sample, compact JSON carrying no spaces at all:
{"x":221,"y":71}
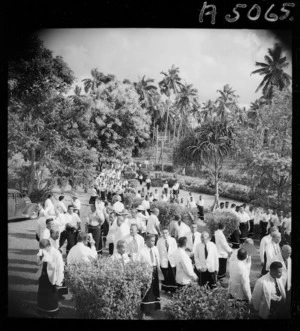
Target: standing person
{"x":76,"y":204}
{"x":244,"y":224}
{"x":227,"y":205}
{"x":262,"y":248}
{"x":143,"y":219}
{"x":118,"y":205}
{"x":52,"y":275}
{"x":141,"y":178}
{"x":251,"y":221}
{"x":207,"y":261}
{"x":181,"y":229}
{"x":166,"y":246}
{"x":49,"y":226}
{"x":265,"y":223}
{"x":268,"y":297}
{"x":232,"y":209}
{"x":122,"y":229}
{"x":120,"y":253}
{"x":134,"y":241}
{"x":193,"y":239}
{"x":224,"y":250}
{"x":93,"y":226}
{"x":200,"y":206}
{"x":287,"y":227}
{"x":94,"y":195}
{"x":153,"y":224}
{"x":73,"y":225}
{"x":176,"y":189}
{"x":191,"y":203}
{"x":156,"y":195}
{"x":146,"y":204}
{"x":274,"y":218}
{"x":81,"y":252}
{"x":239,"y":278}
{"x":111,"y":232}
{"x":54,"y":238}
{"x":49,"y":206}
{"x":41,"y":222}
{"x":61,"y":207}
{"x":184,"y":267}
{"x":149,"y":254}
{"x":273,"y":249}
{"x":166,"y":188}
{"x":148,"y":183}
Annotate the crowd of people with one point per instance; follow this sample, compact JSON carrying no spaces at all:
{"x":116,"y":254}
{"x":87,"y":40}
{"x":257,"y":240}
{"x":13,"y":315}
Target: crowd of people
{"x":179,"y":254}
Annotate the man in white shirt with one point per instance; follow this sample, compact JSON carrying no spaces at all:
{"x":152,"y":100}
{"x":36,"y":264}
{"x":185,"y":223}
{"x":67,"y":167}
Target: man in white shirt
{"x":54,"y":236}
{"x":207,"y":261}
{"x":268,"y":296}
{"x":193,"y":239}
{"x":166,"y":246}
{"x":81,"y":252}
{"x":181,"y":229}
{"x":146,"y":203}
{"x":265,"y":223}
{"x":153,"y":224}
{"x":149,"y":254}
{"x":49,"y":226}
{"x":227,"y":206}
{"x":41,"y":222}
{"x":262,"y":248}
{"x":76,"y":204}
{"x":122,"y":230}
{"x":110,"y":238}
{"x":148,"y":183}
{"x":184,"y":267}
{"x":118,"y":205}
{"x":251,"y":220}
{"x":287,"y":226}
{"x":239,"y":278}
{"x":273,"y":249}
{"x":156,"y":195}
{"x":49,"y":207}
{"x":134,"y":241}
{"x":143,"y":219}
{"x":244,"y":224}
{"x":61,"y":207}
{"x":120,"y":254}
{"x":166,"y":187}
{"x":232,"y":209}
{"x":224,"y":250}
{"x":200,"y":206}
{"x":73,"y":225}
{"x":93,"y":226}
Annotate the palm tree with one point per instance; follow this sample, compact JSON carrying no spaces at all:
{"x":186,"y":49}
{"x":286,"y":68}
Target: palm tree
{"x":146,"y":90}
{"x":98,"y":78}
{"x":186,"y":101}
{"x":212,"y":142}
{"x":226,"y":102}
{"x":273,"y":71}
{"x":170,"y":83}
{"x":208,"y":111}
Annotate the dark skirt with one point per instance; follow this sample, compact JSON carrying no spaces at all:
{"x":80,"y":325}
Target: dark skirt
{"x":200,"y":212}
{"x":263,"y":229}
{"x":92,"y":200}
{"x":169,"y":283}
{"x":222,"y":268}
{"x":251,"y":231}
{"x":208,"y":278}
{"x":244,"y":231}
{"x":47,"y":300}
{"x":102,"y":195}
{"x":151,"y":300}
{"x":148,"y":186}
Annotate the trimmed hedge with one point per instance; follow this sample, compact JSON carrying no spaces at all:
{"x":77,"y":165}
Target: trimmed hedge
{"x":104,"y":289}
{"x":229,"y":219}
{"x":129,"y":175}
{"x":133,"y":182}
{"x":198,"y":302}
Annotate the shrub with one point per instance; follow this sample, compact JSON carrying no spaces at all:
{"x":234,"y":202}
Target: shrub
{"x":133,"y":183}
{"x":189,"y":216}
{"x":128,"y":200}
{"x":136,"y":202}
{"x":157,"y":167}
{"x":168,"y":168}
{"x":157,"y":182}
{"x":104,"y":290}
{"x":143,"y":172}
{"x":230,"y":220}
{"x":198,"y":302}
{"x":129,"y":175}
{"x":167,"y":211}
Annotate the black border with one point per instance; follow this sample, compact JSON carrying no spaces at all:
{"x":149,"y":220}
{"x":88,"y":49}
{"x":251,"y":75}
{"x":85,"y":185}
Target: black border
{"x":27,"y":17}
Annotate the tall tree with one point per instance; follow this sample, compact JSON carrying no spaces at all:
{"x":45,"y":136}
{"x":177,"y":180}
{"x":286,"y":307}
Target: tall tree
{"x":98,"y":78}
{"x":273,"y":71}
{"x":170,"y":83}
{"x":146,"y":91}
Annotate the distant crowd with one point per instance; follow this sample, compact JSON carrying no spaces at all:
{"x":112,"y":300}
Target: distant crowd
{"x":178,"y":253}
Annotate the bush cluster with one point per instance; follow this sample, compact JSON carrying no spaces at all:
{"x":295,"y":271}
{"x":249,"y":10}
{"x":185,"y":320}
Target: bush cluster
{"x":129,"y":175}
{"x":167,"y":168}
{"x":195,"y":302}
{"x":229,"y":219}
{"x":133,"y":182}
{"x":106,"y":290}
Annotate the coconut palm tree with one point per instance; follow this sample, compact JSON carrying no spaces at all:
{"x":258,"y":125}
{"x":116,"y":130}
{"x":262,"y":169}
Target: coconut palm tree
{"x":185,"y":102}
{"x":208,"y":111}
{"x":146,"y":90}
{"x":226,"y":102}
{"x":170,"y":83}
{"x":273,"y":71}
{"x":98,"y":78}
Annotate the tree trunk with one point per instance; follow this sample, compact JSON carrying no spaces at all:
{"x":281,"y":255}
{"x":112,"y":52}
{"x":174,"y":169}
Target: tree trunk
{"x":166,"y":131}
{"x":32,"y":172}
{"x":156,"y":154}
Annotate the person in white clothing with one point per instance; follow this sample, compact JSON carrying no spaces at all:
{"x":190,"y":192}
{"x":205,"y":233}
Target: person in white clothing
{"x":262,"y":248}
{"x":149,"y":254}
{"x":153,"y":224}
{"x":120,"y":254}
{"x":184,"y":267}
{"x":49,"y":226}
{"x":118,"y":205}
{"x":264,"y":223}
{"x":268,"y":296}
{"x":49,"y":206}
{"x":273,"y":249}
{"x":287,"y":228}
{"x":181,"y":229}
{"x":134,"y":241}
{"x":166,"y":188}
{"x":76,"y":204}
{"x":81,"y":253}
{"x":52,"y":275}
{"x":166,"y":246}
{"x":148,"y":183}
{"x":122,"y":230}
{"x":224,"y":250}
{"x":156,"y":195}
{"x":143,"y":219}
{"x":191,"y":203}
{"x":207,"y":261}
{"x":200,"y":206}
{"x":61,"y":207}
{"x":244,"y":224}
{"x":110,"y":238}
{"x":41,"y":222}
{"x":54,"y":236}
{"x":239,"y":278}
{"x":193,"y":239}
{"x":146,"y":203}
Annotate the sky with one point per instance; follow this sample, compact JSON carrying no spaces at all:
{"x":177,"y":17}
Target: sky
{"x":207,"y":58}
